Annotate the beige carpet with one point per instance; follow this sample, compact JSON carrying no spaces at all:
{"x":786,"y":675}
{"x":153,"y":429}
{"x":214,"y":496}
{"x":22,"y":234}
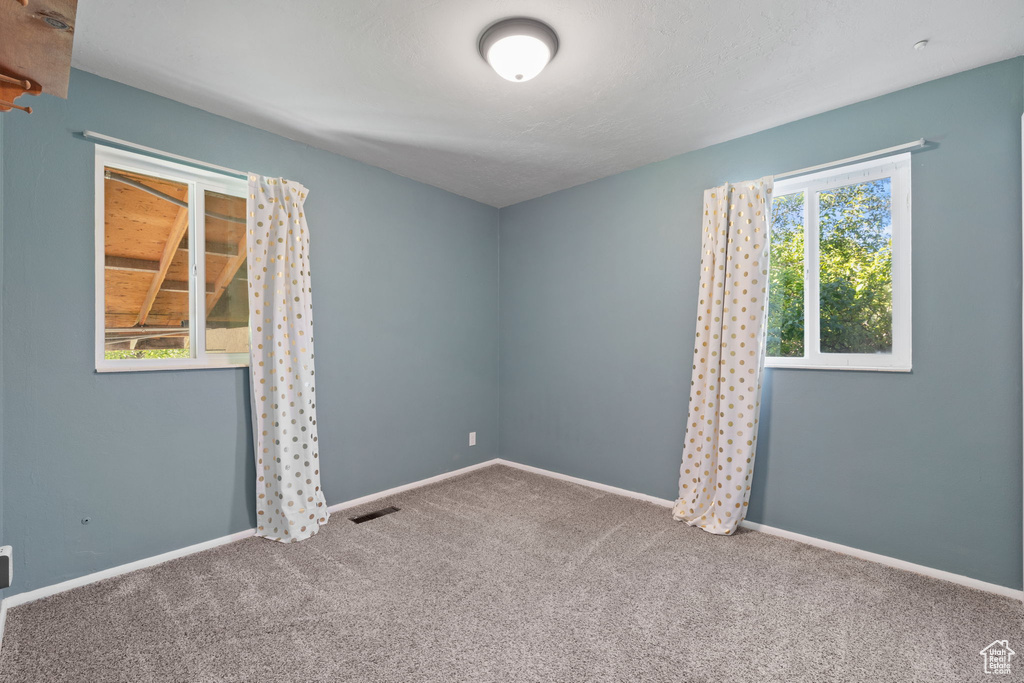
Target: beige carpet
{"x":502,"y":575}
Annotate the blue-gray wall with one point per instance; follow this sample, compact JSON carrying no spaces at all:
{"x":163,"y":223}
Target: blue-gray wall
{"x":406,"y":297}
{"x":598,"y":304}
{"x":2,"y":536}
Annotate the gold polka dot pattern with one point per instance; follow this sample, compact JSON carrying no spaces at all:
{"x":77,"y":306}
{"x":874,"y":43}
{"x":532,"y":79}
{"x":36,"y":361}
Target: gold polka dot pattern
{"x":728,"y":358}
{"x":289,"y":503}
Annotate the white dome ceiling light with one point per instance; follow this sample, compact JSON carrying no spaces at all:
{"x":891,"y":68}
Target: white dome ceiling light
{"x":518,"y":49}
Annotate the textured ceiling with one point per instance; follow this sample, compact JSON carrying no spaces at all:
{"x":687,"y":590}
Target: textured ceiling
{"x":399,"y":83}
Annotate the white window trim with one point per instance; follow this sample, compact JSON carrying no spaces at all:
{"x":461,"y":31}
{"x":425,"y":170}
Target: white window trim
{"x":897,"y":168}
{"x":199,"y":181}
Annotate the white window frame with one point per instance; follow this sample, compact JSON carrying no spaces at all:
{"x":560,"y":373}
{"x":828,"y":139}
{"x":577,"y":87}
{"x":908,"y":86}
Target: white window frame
{"x":198,"y":181}
{"x":897,"y":168}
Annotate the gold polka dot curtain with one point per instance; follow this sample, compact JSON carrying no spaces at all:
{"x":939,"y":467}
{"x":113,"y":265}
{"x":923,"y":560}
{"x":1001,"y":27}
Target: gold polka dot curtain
{"x":728,"y":358}
{"x":289,"y":503}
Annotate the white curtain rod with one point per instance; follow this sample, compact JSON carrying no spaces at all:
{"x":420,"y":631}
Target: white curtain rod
{"x":101,"y":139}
{"x":917,"y":144}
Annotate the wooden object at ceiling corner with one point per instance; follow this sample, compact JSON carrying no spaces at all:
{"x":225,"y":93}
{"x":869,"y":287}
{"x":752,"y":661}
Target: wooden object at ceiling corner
{"x":35,"y":48}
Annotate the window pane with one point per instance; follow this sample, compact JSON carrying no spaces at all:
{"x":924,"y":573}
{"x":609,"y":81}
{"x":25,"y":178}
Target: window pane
{"x":146,"y":301}
{"x":786,"y":281}
{"x":856,"y":268}
{"x":227,"y":297}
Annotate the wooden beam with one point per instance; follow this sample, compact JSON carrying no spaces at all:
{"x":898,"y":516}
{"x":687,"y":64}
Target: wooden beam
{"x":181,"y":286}
{"x":126,"y":319}
{"x":133,"y":264}
{"x":136,"y":330}
{"x":35,"y":42}
{"x":213,"y":248}
{"x":178,"y":230}
{"x":220,"y":285}
{"x":174,"y":286}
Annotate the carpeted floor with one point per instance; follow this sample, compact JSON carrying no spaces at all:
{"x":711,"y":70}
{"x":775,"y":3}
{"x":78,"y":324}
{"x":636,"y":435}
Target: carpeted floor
{"x":503,"y":575}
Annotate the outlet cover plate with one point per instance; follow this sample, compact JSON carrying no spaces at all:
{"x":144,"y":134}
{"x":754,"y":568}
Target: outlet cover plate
{"x":6,"y":567}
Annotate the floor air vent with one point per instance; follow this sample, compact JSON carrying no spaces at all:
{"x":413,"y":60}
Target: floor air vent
{"x":373,"y":515}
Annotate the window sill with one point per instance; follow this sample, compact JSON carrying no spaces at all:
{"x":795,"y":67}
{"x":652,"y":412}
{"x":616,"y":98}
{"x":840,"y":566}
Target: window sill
{"x":857,"y":368}
{"x":153,"y":367}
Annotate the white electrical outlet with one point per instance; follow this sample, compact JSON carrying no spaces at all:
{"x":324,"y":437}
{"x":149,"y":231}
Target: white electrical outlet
{"x":6,"y":567}
{"x":472,"y":438}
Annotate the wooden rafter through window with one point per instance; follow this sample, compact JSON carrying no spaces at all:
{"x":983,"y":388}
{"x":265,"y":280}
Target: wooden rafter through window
{"x":179,"y":286}
{"x":178,"y":230}
{"x":220,"y":285}
{"x":143,"y":266}
{"x":133,"y":264}
{"x":212,"y":248}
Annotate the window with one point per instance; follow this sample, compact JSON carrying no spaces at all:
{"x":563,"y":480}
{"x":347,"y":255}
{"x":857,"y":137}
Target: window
{"x":839,"y":288}
{"x":171,"y":282}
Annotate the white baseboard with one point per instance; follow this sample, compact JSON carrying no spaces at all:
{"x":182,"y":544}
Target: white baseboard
{"x":888,"y":561}
{"x":405,"y":487}
{"x":663,"y":502}
{"x":46,"y":591}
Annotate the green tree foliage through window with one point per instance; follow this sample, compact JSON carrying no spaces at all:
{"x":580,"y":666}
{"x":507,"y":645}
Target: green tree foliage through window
{"x":855,"y":270}
{"x":786,"y":281}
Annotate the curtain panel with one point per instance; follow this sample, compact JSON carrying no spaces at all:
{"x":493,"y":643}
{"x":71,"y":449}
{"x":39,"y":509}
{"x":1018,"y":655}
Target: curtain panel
{"x":728,"y":358}
{"x":290,"y":505}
